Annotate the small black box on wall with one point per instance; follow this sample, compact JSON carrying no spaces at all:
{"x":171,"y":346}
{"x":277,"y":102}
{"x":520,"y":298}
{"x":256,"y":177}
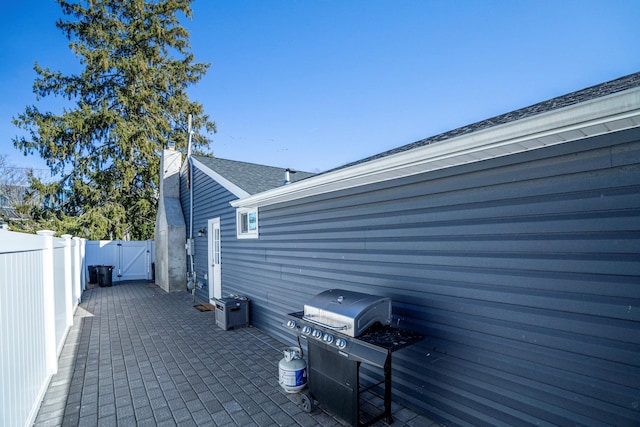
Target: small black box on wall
{"x":232,"y":312}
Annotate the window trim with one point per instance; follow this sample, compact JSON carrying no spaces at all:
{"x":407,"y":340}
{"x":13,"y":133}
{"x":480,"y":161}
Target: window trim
{"x":248,"y":233}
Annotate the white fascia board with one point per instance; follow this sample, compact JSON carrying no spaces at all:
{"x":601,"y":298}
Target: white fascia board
{"x":237,"y":191}
{"x":611,"y":113}
{"x":184,"y":166}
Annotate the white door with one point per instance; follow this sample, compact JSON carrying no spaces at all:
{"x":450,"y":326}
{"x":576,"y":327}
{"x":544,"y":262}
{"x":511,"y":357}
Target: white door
{"x":215,"y":276}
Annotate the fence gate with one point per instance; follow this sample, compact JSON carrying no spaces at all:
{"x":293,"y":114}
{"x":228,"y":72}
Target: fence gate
{"x":131,"y":260}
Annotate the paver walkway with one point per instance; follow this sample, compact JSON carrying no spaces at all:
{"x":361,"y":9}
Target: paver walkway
{"x":137,"y":355}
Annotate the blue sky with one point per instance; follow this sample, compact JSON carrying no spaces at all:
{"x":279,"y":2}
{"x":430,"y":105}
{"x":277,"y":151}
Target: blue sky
{"x":316,"y":84}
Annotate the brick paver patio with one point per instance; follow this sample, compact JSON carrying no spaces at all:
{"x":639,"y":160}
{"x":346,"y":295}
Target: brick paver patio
{"x":137,"y":355}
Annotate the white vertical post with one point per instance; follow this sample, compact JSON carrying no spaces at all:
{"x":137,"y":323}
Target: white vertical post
{"x":77,"y":273}
{"x":49,"y":306}
{"x":83,"y":265}
{"x":68,"y":280}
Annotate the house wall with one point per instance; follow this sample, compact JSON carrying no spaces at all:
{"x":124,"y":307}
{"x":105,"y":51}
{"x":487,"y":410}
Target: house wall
{"x":211,"y":200}
{"x":522,"y":272}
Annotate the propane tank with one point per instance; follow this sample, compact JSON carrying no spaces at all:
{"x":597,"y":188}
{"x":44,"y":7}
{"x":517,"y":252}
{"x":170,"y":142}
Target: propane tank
{"x":293,"y":370}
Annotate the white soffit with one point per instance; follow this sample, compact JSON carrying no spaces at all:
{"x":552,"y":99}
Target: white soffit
{"x":598,"y":116}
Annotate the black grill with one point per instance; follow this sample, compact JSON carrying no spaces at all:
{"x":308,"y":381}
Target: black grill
{"x":335,"y":360}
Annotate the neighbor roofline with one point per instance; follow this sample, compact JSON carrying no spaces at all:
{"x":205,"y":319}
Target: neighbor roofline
{"x":610,"y":113}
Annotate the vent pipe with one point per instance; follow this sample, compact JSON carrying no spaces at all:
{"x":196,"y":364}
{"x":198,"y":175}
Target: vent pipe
{"x":287,"y":175}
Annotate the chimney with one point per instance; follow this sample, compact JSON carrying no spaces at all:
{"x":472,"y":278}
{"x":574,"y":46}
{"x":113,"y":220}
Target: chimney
{"x":287,"y":175}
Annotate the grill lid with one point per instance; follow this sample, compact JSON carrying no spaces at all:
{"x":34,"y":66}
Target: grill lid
{"x":350,"y":313}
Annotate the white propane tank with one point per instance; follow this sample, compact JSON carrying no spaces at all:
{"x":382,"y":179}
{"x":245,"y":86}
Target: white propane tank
{"x":293,"y":370}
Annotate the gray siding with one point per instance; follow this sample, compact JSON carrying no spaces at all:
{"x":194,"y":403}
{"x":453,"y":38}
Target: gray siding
{"x":522,"y":271}
{"x":211,"y":200}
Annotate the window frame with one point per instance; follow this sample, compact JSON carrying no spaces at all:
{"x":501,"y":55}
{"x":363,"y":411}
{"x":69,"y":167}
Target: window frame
{"x":243,"y":217}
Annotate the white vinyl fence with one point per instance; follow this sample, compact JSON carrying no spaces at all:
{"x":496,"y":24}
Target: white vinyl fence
{"x":41,"y":283}
{"x":131,"y":260}
{"x":40,"y":286}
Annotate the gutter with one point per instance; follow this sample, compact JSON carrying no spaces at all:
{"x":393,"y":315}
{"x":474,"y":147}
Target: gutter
{"x":611,"y":113}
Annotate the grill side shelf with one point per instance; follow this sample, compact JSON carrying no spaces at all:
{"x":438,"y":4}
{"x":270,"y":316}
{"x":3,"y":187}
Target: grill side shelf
{"x":393,"y":339}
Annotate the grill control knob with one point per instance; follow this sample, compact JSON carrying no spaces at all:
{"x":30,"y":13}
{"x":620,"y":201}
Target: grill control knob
{"x":306,"y":330}
{"x":328,"y":338}
{"x":341,"y":343}
{"x":291,"y":324}
{"x":317,"y":334}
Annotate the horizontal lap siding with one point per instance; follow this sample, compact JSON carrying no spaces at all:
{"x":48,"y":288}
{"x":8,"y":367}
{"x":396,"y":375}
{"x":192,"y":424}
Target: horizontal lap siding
{"x":211,"y":200}
{"x":522,"y":271}
{"x":185,"y":203}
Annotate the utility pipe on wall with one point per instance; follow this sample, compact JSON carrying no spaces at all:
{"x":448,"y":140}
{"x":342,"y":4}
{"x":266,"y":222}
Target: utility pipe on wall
{"x":190,"y":244}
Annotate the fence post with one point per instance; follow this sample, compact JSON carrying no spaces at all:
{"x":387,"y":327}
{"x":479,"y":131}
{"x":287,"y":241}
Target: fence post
{"x":49,"y":306}
{"x":83,"y":265}
{"x":68,"y":280}
{"x":77,"y":271}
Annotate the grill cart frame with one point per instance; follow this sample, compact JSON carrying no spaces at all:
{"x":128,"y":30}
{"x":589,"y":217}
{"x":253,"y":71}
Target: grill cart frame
{"x":334,"y":366}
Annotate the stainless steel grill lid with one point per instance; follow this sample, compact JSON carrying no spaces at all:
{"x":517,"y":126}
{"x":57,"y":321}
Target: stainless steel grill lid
{"x":347,"y":312}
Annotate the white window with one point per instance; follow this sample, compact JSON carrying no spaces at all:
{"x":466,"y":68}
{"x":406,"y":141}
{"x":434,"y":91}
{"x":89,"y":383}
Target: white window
{"x":247,"y":223}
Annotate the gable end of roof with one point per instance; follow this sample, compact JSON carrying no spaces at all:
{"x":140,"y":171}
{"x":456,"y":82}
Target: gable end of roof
{"x":242,"y":178}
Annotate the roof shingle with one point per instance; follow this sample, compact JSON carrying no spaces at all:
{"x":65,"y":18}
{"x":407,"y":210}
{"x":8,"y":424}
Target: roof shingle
{"x":251,"y":177}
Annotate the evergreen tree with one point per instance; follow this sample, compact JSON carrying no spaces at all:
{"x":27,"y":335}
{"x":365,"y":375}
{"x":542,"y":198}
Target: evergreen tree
{"x":128,"y":101}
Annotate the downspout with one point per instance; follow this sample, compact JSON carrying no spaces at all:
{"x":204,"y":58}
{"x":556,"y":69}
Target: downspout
{"x":191,"y":281}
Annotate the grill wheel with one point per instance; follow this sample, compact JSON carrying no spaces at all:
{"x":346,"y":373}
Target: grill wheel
{"x":306,"y":401}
